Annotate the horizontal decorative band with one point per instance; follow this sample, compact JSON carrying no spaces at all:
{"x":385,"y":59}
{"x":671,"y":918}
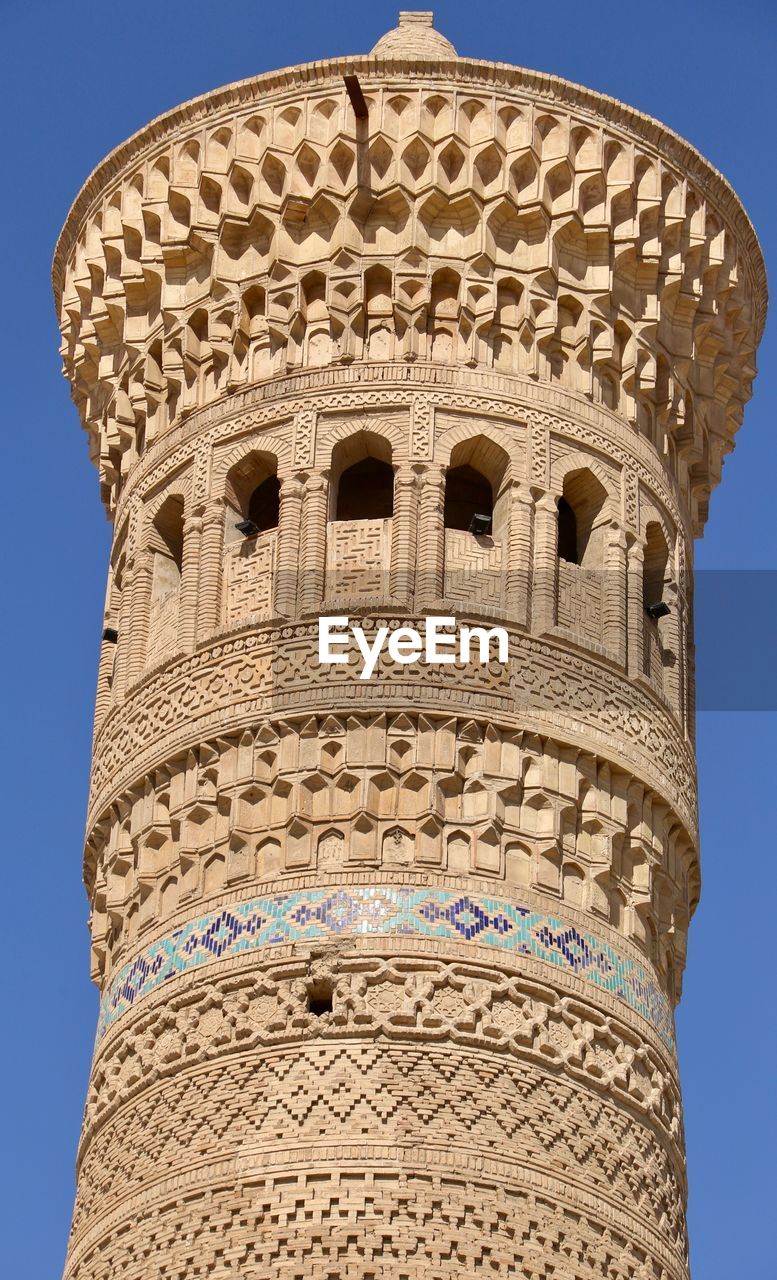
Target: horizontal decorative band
{"x":315,"y":915}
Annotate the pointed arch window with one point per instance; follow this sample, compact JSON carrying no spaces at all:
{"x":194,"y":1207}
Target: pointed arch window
{"x":580,"y":511}
{"x":253,"y":495}
{"x":166,"y":542}
{"x":469,"y":500}
{"x":654,"y":573}
{"x":264,"y":504}
{"x":361,"y":508}
{"x":365,"y":491}
{"x":252,"y":500}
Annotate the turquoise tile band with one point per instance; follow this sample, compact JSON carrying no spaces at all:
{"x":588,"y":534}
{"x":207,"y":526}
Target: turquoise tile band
{"x":314,"y":915}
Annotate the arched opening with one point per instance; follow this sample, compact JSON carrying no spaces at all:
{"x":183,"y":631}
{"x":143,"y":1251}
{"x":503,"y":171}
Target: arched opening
{"x":654,"y":573}
{"x":361,"y":508}
{"x":476,"y":484}
{"x":320,"y":997}
{"x":362,"y":478}
{"x":111,"y":636}
{"x":166,"y":542}
{"x":365,"y":491}
{"x":168,"y":527}
{"x":580,"y":526}
{"x":469,"y":500}
{"x":252,"y":501}
{"x":476,"y":519}
{"x":580,"y":520}
{"x":264,"y":504}
{"x":567,"y":532}
{"x":252,"y":496}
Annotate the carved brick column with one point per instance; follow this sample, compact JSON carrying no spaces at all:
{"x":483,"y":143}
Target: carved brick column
{"x":211,"y":568}
{"x":288,"y":546}
{"x":190,"y":571}
{"x":140,"y":611}
{"x":670,"y":642}
{"x":313,"y":549}
{"x":545,"y":566}
{"x":108,"y":657}
{"x":520,"y":554}
{"x":615,"y":592}
{"x":431,"y":536}
{"x":403,"y":540}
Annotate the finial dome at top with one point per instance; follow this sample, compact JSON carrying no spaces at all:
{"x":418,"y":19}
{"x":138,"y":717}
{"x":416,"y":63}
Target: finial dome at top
{"x":414,"y":37}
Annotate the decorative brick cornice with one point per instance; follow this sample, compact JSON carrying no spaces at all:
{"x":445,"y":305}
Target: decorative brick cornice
{"x":549,"y":90}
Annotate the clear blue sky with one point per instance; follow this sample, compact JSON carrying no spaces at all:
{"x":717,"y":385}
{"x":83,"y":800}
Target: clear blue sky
{"x":80,"y":76}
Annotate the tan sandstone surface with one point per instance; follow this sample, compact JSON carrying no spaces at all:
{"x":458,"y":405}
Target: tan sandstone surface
{"x":388,"y":967}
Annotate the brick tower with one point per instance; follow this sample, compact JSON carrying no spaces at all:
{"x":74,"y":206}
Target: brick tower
{"x":388,"y":966}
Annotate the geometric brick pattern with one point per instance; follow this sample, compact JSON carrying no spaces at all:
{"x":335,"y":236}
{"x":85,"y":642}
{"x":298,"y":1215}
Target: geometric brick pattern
{"x":354,"y":1223}
{"x":358,"y":559}
{"x":412,"y":1098}
{"x":210,"y":1016}
{"x":248,"y":578}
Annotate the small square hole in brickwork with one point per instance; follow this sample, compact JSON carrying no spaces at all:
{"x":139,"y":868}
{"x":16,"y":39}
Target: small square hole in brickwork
{"x":320,"y":996}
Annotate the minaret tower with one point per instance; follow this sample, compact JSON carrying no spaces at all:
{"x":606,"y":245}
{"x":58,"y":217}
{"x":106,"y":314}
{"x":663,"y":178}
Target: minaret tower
{"x":388,"y":966}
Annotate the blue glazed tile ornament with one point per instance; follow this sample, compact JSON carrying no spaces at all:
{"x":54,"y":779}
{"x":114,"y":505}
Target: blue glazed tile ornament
{"x":315,"y":915}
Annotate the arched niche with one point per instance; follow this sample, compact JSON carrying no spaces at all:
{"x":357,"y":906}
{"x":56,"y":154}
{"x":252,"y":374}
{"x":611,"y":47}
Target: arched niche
{"x":581,"y":520}
{"x":378,"y":313}
{"x":476,"y":516}
{"x":361,"y":503}
{"x":165,"y":540}
{"x":252,"y":514}
{"x":361,"y":479}
{"x":318,"y":338}
{"x":583,"y":515}
{"x":443,"y":326}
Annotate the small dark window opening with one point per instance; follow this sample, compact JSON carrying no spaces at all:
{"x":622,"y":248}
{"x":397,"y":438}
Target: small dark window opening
{"x":320,"y":999}
{"x":366,"y":491}
{"x":467,"y":494}
{"x":655,"y":569}
{"x":567,"y":533}
{"x":264,"y":504}
{"x":169,"y":527}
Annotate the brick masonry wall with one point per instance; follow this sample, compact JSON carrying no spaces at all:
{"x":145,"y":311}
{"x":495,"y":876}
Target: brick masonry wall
{"x":388,"y":968}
